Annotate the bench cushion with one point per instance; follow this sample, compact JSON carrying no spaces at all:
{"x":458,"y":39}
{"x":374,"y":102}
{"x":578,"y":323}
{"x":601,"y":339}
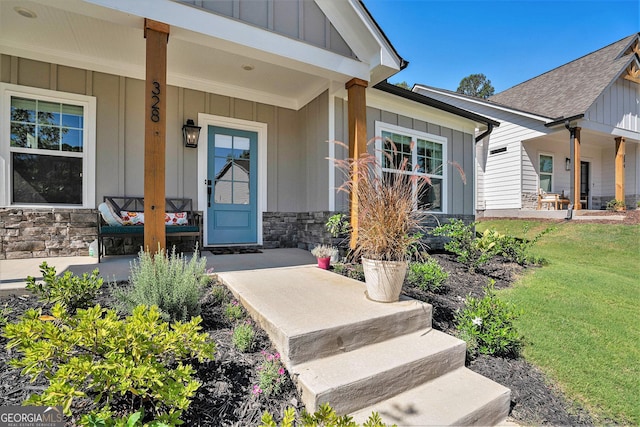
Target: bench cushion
{"x":139,"y":229}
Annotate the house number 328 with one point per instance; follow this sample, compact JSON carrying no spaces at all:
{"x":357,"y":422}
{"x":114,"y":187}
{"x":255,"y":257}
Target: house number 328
{"x":155,"y":110}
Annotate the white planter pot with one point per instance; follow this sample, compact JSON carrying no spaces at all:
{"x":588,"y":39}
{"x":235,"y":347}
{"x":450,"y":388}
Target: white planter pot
{"x":384,"y":279}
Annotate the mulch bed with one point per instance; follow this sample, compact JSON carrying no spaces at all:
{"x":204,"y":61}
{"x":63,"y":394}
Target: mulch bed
{"x":225,"y":397}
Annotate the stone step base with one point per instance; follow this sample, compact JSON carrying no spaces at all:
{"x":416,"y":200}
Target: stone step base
{"x":460,"y":397}
{"x":356,"y":379}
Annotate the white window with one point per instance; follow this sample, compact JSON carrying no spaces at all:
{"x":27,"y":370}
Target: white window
{"x":426,"y":156}
{"x":546,"y":172}
{"x":47,"y":148}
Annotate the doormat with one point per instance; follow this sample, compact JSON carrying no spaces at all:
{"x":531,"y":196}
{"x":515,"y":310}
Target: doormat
{"x":233,"y":250}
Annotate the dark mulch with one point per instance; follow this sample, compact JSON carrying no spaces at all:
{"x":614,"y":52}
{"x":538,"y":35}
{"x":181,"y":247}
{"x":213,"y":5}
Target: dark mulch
{"x":225,"y":396}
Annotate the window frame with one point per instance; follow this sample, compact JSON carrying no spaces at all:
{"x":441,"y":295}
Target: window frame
{"x":88,"y":154}
{"x":540,"y":173}
{"x":414,"y":135}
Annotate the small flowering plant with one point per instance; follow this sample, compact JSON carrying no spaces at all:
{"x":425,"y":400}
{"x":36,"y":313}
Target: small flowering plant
{"x":487,"y":325}
{"x":271,"y":375}
{"x":234,"y":311}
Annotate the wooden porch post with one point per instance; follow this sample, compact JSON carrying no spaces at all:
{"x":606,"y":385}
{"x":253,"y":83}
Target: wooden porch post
{"x":620,"y":152}
{"x":157,"y":35}
{"x":575,"y":167}
{"x":357,"y":111}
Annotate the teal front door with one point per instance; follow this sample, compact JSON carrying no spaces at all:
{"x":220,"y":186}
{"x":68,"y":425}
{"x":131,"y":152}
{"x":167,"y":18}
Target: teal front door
{"x":232,"y":186}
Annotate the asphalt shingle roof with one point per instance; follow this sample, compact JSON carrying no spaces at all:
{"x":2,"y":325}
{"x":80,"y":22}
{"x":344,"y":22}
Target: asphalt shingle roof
{"x":570,"y":89}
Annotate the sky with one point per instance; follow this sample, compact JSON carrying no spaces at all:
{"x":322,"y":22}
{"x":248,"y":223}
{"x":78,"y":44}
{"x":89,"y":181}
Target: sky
{"x":509,"y":41}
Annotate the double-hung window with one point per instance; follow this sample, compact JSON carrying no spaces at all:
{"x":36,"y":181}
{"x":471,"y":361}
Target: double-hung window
{"x":425,"y":155}
{"x":546,"y":172}
{"x":47,"y":148}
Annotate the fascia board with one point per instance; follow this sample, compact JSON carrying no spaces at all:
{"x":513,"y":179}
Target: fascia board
{"x":408,"y":108}
{"x":362,"y":35}
{"x":481,"y":102}
{"x":297,"y":55}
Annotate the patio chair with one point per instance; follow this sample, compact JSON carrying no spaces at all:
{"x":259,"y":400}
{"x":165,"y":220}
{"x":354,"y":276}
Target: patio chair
{"x":548,"y":199}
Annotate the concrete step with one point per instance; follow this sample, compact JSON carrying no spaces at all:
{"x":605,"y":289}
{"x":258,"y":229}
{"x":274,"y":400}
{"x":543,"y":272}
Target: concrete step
{"x":359,"y":378}
{"x":460,"y":397}
{"x":311,"y":313}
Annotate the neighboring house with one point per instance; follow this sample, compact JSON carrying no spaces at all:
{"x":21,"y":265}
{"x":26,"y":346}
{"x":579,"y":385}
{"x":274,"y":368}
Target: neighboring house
{"x":270,"y":83}
{"x":573,"y":130}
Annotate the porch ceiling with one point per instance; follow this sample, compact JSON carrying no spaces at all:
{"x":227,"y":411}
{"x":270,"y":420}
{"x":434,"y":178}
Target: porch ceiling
{"x":79,"y":34}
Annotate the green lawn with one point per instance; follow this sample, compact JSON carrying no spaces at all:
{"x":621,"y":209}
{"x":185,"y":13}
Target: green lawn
{"x":581,"y":315}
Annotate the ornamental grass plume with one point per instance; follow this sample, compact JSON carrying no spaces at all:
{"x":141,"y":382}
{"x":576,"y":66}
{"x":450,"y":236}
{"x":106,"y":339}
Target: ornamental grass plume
{"x":389,"y":221}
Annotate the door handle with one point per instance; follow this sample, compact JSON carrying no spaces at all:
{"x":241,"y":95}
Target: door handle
{"x":209,"y":193}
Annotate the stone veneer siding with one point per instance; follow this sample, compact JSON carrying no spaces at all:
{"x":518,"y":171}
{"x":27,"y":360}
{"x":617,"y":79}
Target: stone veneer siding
{"x":305,"y":230}
{"x":38,"y":233}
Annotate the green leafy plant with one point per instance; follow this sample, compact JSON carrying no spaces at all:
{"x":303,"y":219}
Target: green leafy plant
{"x":171,"y":283}
{"x":338,"y":225}
{"x":234,"y":311}
{"x":518,"y":250}
{"x":271,"y":375}
{"x":4,"y":312}
{"x":324,"y":416}
{"x":106,"y":419}
{"x":140,"y":361}
{"x":244,"y":336}
{"x":470,"y":250}
{"x":616,"y":205}
{"x":488,"y":323}
{"x":428,"y":275}
{"x":71,"y":291}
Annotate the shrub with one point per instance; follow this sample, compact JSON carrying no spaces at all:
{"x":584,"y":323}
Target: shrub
{"x":338,"y":225}
{"x":428,"y":275}
{"x":71,"y":291}
{"x":168,"y":282}
{"x":470,"y":250}
{"x":518,"y":250}
{"x":488,"y":323}
{"x":234,"y":311}
{"x":271,"y":375}
{"x":140,"y":361}
{"x":244,"y":336}
{"x":324,"y":416}
{"x":616,"y":205}
{"x":4,"y":312}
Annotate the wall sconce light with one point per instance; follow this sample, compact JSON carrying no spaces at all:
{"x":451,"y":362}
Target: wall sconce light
{"x":190,"y":134}
{"x":567,"y":164}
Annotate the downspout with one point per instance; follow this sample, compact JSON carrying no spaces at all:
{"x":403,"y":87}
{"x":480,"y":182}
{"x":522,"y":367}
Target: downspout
{"x":485,"y":133}
{"x":572,"y":155}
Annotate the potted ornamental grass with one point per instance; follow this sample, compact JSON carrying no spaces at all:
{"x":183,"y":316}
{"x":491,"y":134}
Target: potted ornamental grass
{"x":324,"y":253}
{"x":389,"y":222}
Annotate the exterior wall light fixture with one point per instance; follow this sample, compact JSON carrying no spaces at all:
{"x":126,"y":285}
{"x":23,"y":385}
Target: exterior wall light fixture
{"x":190,"y":134}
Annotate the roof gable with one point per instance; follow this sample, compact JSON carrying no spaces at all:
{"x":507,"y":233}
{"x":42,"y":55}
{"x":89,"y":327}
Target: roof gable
{"x":571,"y":89}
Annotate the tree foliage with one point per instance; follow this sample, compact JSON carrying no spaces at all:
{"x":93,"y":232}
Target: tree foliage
{"x":476,"y":85}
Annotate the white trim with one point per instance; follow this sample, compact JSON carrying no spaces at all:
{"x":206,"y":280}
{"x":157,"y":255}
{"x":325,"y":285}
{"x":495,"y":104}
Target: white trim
{"x":88,"y":104}
{"x":206,"y":120}
{"x":332,"y":153}
{"x":553,"y":170}
{"x":382,"y":126}
{"x":398,"y":105}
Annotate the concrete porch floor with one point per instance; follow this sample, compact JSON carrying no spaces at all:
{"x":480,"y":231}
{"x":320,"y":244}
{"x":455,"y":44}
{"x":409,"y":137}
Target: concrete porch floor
{"x":13,"y":273}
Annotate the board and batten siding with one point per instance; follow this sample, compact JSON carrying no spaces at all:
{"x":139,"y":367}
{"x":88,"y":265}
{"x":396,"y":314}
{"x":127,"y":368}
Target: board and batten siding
{"x":617,"y":106}
{"x":120,"y":132}
{"x":460,"y":148}
{"x":299,"y":19}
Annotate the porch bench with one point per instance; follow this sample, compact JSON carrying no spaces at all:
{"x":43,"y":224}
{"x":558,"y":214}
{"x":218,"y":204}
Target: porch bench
{"x":193,"y":227}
